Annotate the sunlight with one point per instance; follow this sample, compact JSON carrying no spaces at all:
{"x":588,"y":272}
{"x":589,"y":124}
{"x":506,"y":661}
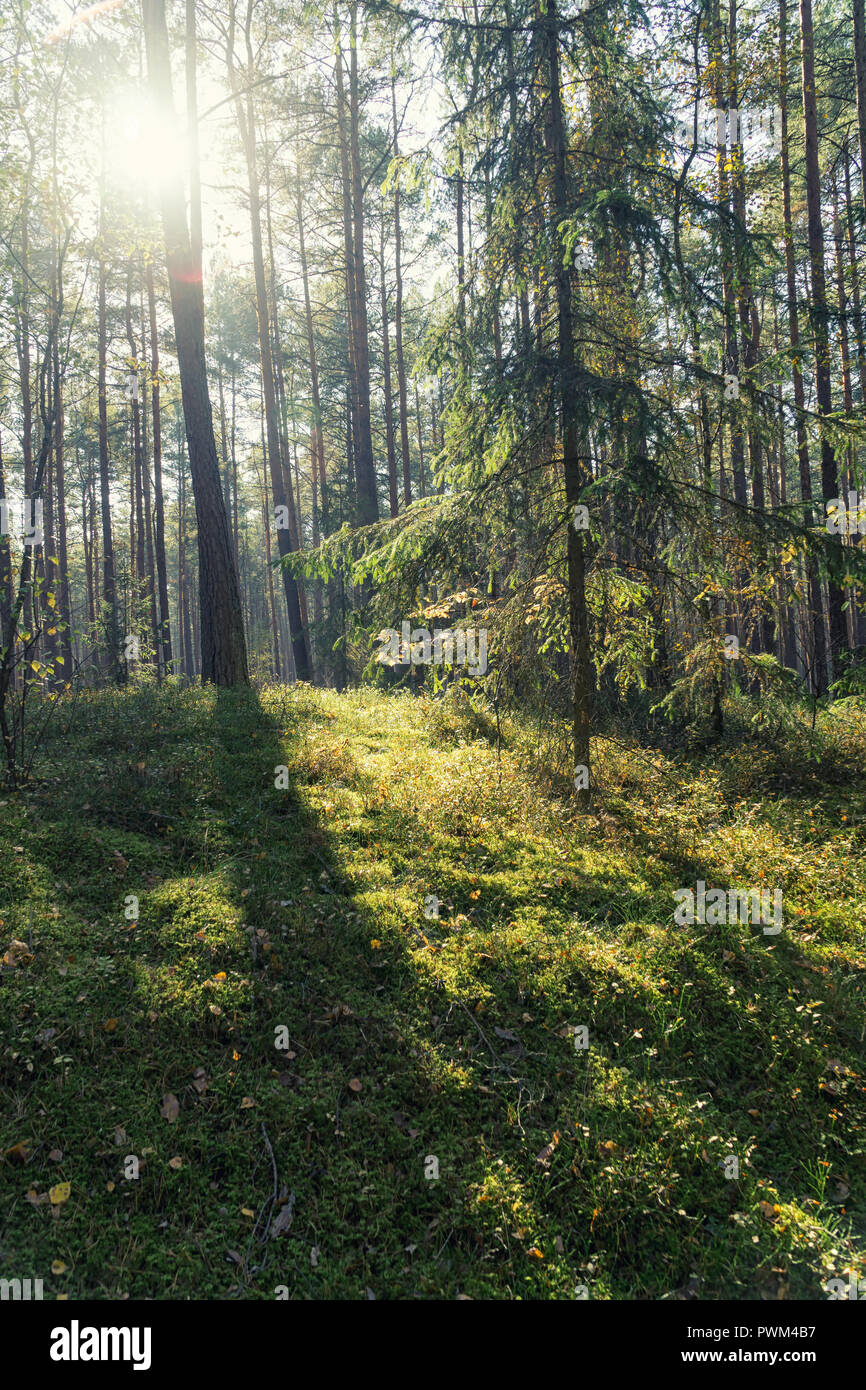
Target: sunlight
{"x":142,"y":145}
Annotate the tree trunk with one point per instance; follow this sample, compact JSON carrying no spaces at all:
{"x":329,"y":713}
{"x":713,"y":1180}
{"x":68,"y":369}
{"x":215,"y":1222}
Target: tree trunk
{"x":281,"y":499}
{"x":829,"y":478}
{"x":393,"y":497}
{"x":113,"y":664}
{"x":860,"y":79}
{"x":817,"y":645}
{"x":398,"y":312}
{"x":223,"y":647}
{"x":164,"y":624}
{"x":365,"y":468}
{"x":581,"y":673}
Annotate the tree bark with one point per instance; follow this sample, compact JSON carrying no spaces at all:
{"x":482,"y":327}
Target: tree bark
{"x":581,"y":666}
{"x":817,"y":645}
{"x":223,"y":646}
{"x":823,"y":391}
{"x":164,"y":623}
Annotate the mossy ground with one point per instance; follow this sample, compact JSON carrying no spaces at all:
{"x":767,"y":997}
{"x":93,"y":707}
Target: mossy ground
{"x":304,"y":908}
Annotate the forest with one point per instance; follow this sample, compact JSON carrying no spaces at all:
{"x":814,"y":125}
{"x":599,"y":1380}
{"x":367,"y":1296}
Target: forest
{"x":433,"y":649}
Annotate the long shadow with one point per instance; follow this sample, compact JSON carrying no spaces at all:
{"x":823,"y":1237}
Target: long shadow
{"x":315,"y":1074}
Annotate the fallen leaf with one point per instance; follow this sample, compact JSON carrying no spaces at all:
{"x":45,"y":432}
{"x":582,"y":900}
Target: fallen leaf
{"x":17,"y":953}
{"x":57,"y":1266}
{"x":56,"y":1155}
{"x":59,"y":1193}
{"x":170,"y":1108}
{"x":19,"y":1153}
{"x":284,"y":1217}
{"x":547,"y":1152}
{"x":176,"y":1162}
{"x":247,"y":1103}
{"x":355,"y":1085}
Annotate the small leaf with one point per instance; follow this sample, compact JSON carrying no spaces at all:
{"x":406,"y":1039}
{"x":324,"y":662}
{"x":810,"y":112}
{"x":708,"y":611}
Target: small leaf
{"x":17,"y":953}
{"x":170,"y":1108}
{"x":59,"y":1193}
{"x":355,"y":1085}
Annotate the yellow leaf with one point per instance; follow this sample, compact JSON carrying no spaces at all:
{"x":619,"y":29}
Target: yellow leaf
{"x":247,"y":1103}
{"x":245,"y":1211}
{"x":59,"y":1193}
{"x":57,"y":1267}
{"x":51,"y":600}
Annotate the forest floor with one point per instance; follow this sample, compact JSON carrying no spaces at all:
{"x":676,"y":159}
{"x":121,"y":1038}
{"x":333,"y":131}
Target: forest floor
{"x":303,"y":1162}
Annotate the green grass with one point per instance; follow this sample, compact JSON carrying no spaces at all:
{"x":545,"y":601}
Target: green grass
{"x":303,"y":908}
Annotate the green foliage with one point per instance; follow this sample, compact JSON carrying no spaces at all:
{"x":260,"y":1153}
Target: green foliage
{"x":305,"y":908}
